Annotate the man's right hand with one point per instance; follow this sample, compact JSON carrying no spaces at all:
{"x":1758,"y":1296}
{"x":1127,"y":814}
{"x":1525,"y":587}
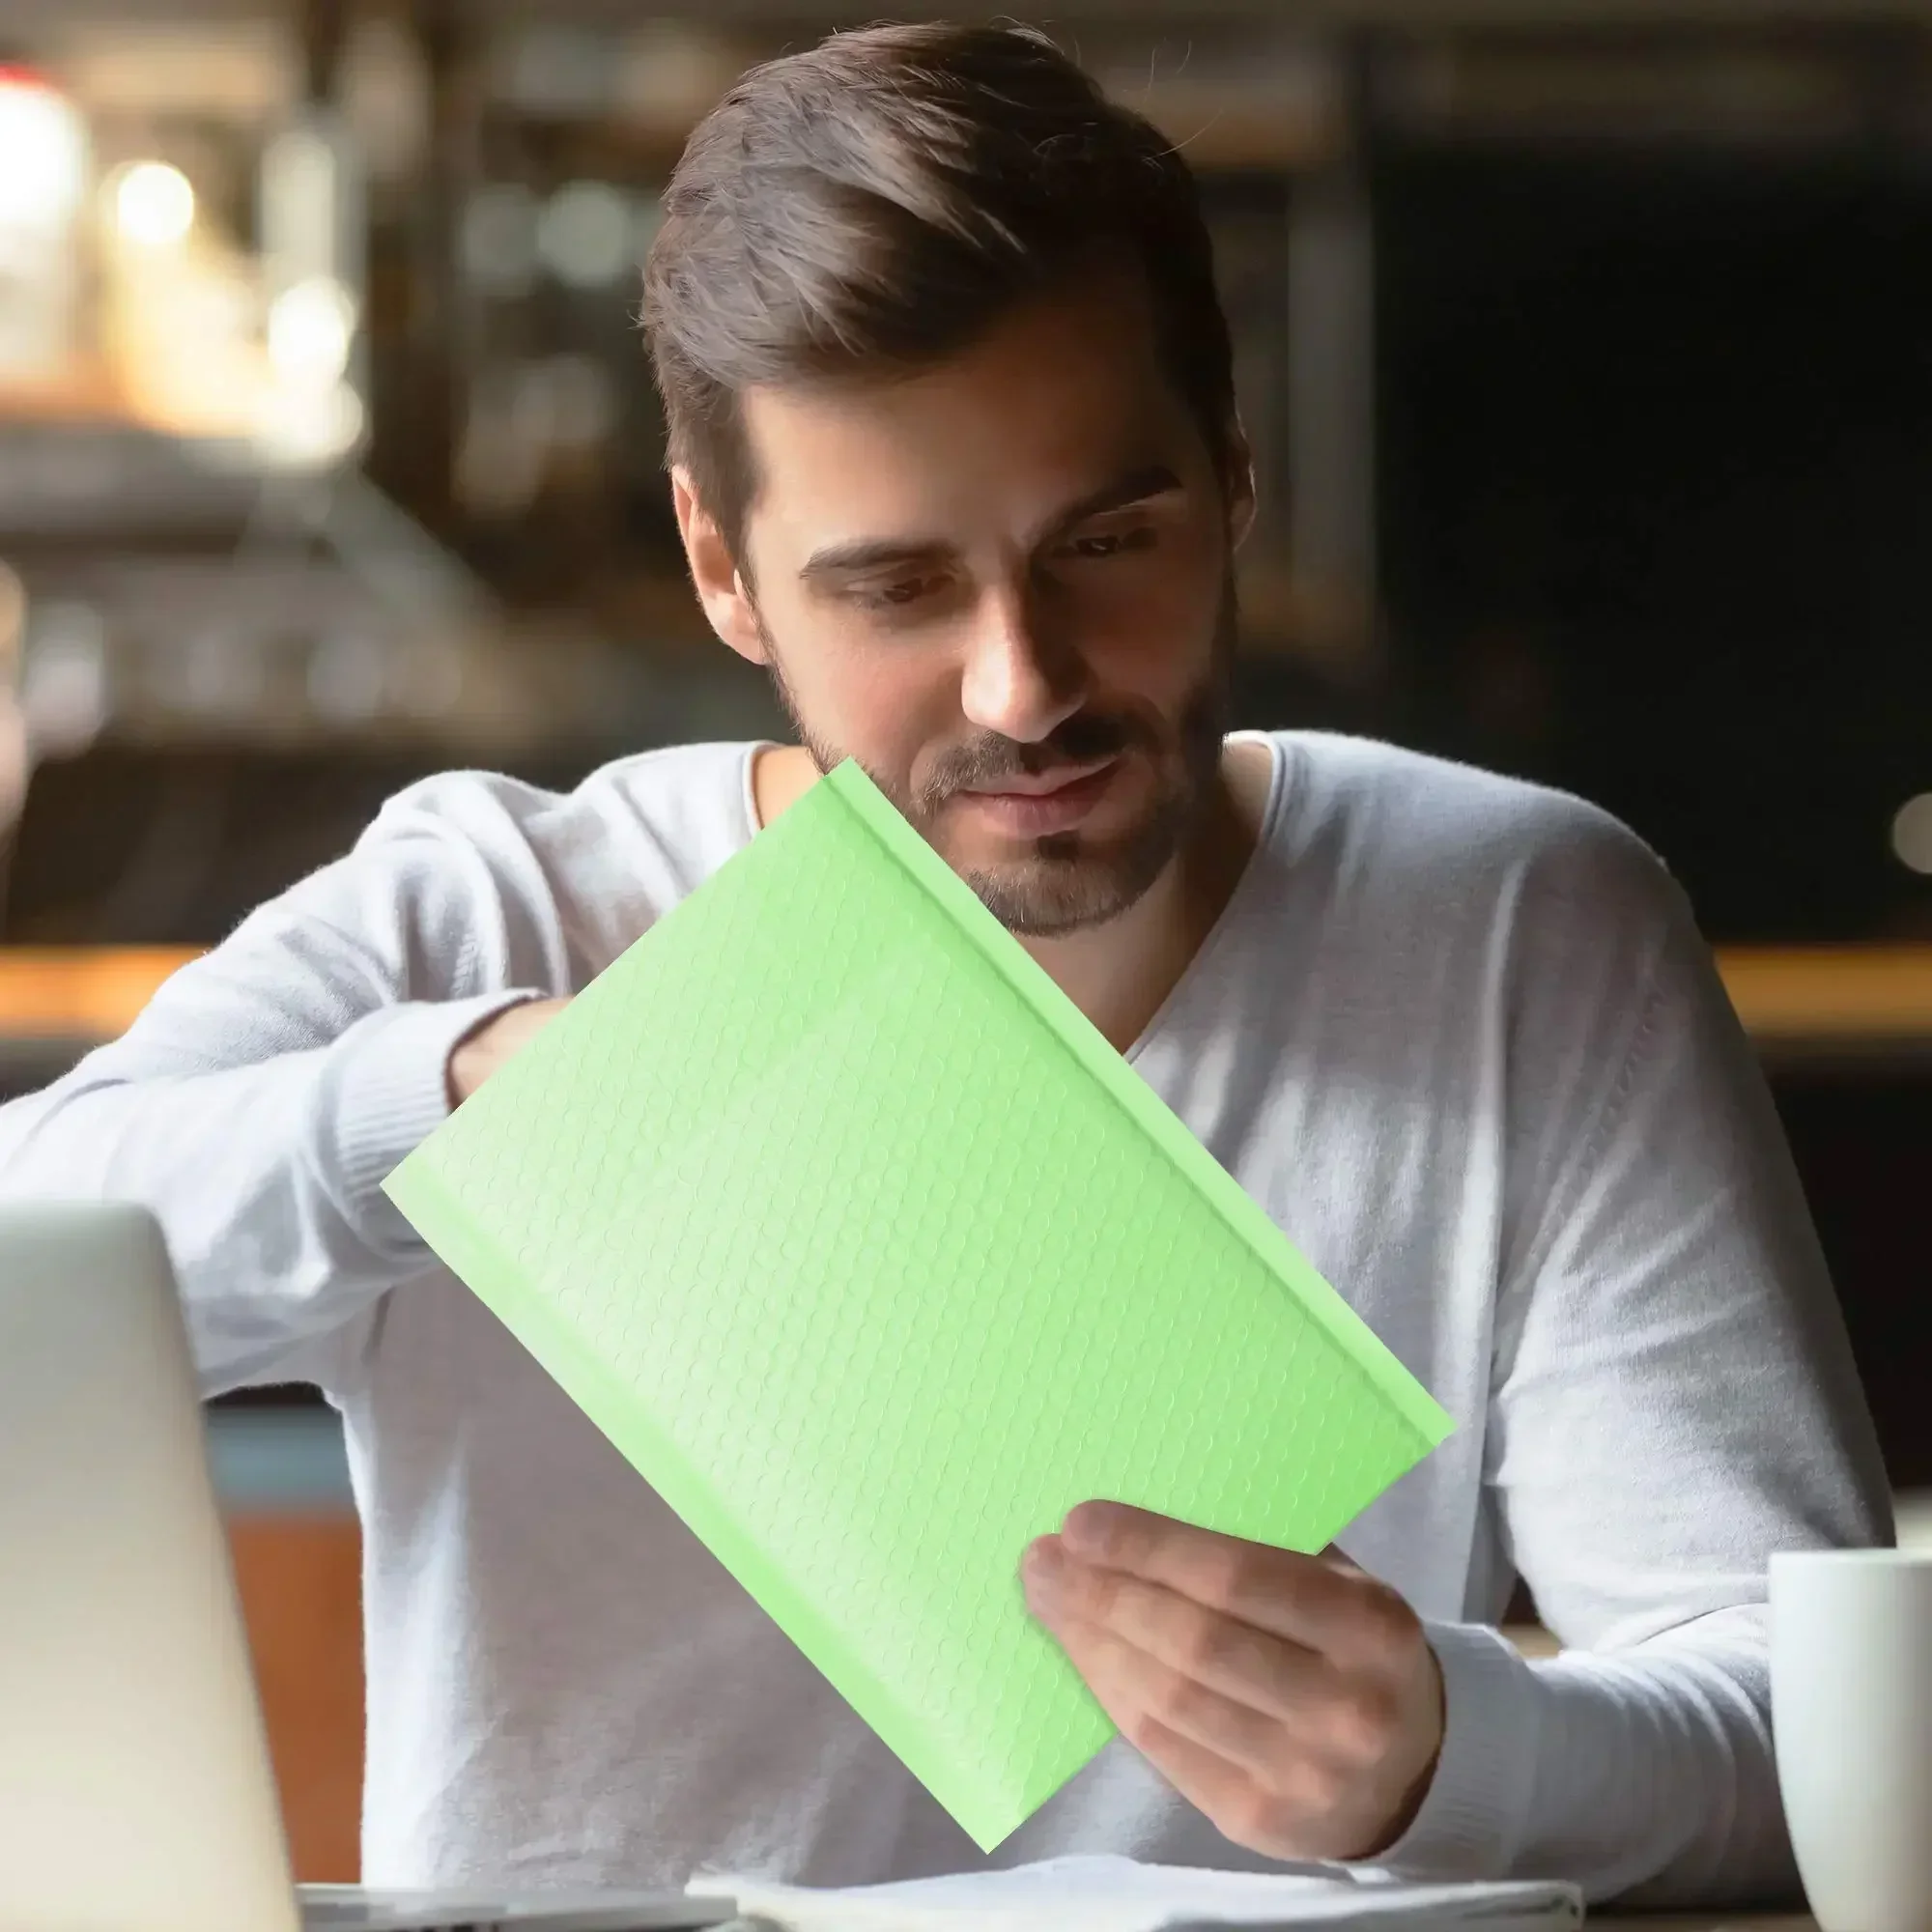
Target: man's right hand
{"x":479,"y":1054}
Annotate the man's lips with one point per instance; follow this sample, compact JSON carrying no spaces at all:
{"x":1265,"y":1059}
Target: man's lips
{"x":1037,"y":807}
{"x":1044,"y":785}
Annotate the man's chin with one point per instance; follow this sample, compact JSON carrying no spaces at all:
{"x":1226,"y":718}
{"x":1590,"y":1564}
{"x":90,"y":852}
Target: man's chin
{"x":1041,"y":898}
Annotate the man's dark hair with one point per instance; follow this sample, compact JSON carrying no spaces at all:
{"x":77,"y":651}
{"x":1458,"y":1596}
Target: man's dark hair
{"x":877,"y":203}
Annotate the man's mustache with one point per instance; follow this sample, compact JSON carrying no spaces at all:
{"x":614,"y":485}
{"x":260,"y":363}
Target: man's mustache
{"x":1087,"y":738}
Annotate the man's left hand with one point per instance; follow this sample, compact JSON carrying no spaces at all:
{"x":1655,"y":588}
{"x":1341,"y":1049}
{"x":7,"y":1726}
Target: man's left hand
{"x":1293,"y":1700}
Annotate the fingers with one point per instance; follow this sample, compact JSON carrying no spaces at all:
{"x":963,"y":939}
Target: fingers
{"x":1148,"y":1701}
{"x":1293,"y":1699}
{"x":1308,"y":1599}
{"x":1232,"y":1764}
{"x":1222,"y":1653}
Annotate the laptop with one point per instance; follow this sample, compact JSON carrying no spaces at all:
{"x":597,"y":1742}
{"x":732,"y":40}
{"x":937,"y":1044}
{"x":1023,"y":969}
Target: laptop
{"x":136,"y":1793}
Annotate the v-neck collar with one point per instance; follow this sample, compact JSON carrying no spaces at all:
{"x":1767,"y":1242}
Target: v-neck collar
{"x":1204,"y":954}
{"x":1202,"y":963}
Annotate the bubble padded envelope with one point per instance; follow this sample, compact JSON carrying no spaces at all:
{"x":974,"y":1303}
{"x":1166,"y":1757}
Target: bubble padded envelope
{"x":873,"y":1258}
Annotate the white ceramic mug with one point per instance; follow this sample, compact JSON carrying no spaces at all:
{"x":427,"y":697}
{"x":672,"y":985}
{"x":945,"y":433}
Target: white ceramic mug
{"x":1851,"y":1685}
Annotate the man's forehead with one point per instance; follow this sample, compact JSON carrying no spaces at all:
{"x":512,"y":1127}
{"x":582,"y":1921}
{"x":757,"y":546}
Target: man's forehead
{"x":874,"y":509}
{"x":957,"y":444}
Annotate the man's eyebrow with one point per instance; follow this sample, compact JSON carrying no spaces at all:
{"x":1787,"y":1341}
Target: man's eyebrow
{"x":846,"y":559}
{"x":1155,"y":479}
{"x":863,"y":554}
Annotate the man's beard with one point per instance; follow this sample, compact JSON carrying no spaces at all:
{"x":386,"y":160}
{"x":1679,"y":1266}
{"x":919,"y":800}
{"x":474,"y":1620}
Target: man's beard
{"x":1069,"y":880}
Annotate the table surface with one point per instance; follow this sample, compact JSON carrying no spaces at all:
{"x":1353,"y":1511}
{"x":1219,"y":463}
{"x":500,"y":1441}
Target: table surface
{"x":1704,"y":1921}
{"x":1711,"y":1921}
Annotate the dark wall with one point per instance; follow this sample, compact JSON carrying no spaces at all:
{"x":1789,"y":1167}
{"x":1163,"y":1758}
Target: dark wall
{"x":1656,"y":471}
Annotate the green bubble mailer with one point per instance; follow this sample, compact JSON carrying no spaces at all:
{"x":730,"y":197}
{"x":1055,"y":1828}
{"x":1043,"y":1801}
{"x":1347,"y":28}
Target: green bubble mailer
{"x":873,"y":1258}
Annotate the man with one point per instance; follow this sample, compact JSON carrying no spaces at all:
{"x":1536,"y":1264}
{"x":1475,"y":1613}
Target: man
{"x":955,"y":456}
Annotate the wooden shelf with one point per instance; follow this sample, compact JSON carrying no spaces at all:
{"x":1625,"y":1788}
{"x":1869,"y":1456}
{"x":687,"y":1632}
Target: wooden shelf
{"x":1827,"y":995}
{"x":79,"y":992}
{"x":1820,"y":995}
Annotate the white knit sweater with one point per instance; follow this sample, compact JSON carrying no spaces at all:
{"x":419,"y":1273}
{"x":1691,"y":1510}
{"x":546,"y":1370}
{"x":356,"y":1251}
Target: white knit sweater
{"x":1460,"y":1039}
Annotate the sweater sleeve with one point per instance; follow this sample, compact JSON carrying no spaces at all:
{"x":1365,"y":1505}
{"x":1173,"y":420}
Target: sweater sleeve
{"x":258,"y":1101}
{"x":1673,"y":1399}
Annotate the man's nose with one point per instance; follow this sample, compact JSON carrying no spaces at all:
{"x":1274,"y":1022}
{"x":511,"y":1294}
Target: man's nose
{"x":1018,"y":679}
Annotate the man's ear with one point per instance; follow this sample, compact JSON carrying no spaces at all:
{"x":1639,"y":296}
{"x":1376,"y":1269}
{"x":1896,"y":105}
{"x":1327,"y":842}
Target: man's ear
{"x":1240,"y":474}
{"x":719,"y":583}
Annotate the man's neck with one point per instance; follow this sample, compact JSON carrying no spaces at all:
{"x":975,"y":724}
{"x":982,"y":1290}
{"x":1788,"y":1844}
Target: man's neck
{"x":1120,"y":973}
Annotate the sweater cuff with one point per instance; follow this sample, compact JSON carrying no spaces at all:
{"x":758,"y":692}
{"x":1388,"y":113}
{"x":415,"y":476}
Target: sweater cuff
{"x":391,"y":1091}
{"x":1472,"y":1816}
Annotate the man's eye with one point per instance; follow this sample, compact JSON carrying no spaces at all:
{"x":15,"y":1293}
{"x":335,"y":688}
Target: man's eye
{"x":897,"y":594}
{"x":1111,"y":543}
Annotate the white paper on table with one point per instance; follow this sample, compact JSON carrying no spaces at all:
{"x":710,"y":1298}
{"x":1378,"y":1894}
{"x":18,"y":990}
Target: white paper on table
{"x":1118,"y":1894}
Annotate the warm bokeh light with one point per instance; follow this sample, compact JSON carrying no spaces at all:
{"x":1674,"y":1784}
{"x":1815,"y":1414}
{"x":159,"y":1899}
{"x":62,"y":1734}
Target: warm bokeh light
{"x":311,"y":332}
{"x":308,"y":428}
{"x":44,"y":143}
{"x":1911,"y":834}
{"x":154,"y":204}
{"x":585,"y":235}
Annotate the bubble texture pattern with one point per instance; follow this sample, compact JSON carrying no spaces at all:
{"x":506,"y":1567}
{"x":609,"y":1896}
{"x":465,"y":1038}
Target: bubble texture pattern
{"x":872,"y":1256}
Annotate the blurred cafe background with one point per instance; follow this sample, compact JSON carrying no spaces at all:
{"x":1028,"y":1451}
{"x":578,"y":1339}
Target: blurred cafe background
{"x":1586,"y":348}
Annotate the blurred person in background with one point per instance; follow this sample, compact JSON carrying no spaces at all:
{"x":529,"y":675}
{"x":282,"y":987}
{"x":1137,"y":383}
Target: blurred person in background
{"x":955,"y":457}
